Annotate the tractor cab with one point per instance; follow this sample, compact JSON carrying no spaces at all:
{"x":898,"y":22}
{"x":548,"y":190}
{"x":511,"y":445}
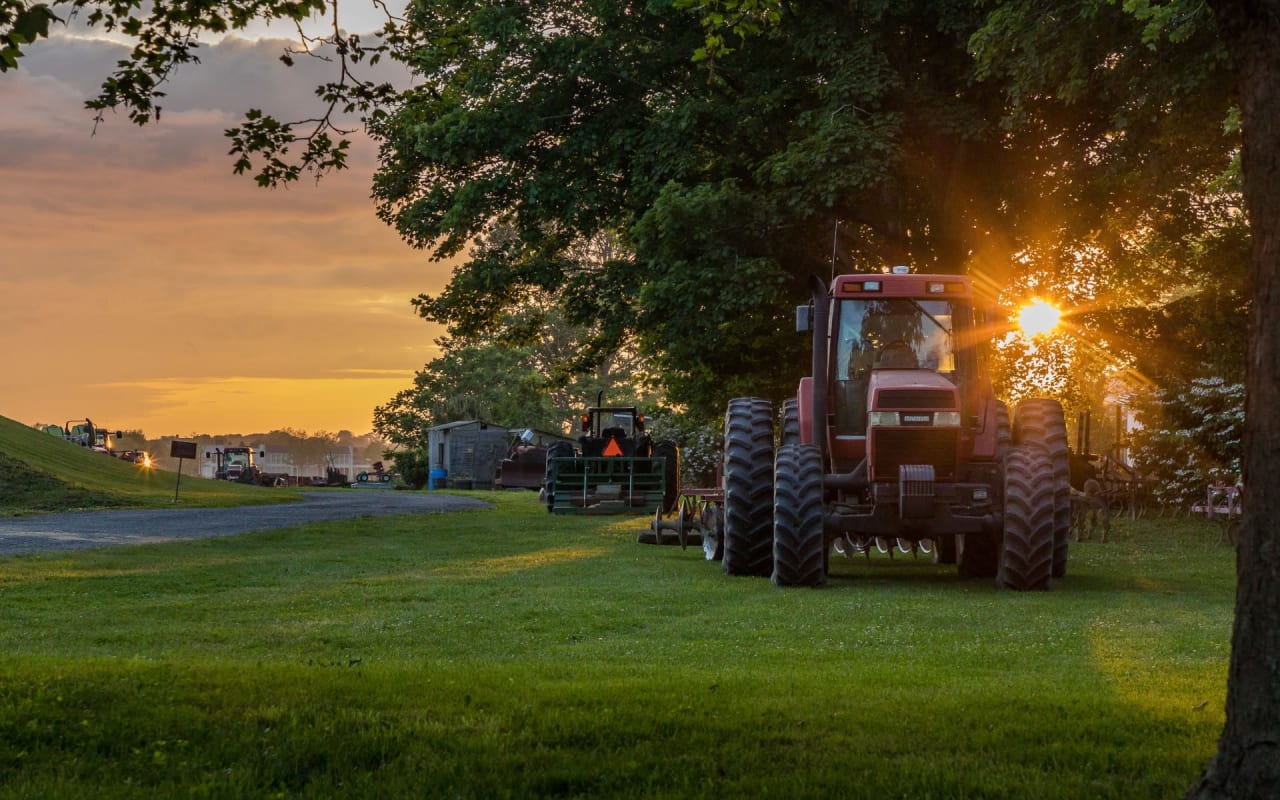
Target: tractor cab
{"x":903,"y":370}
{"x":614,"y":432}
{"x":236,"y":464}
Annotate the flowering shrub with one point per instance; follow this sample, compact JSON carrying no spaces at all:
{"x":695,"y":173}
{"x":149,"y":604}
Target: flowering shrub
{"x":700,"y":446}
{"x":1191,"y":437}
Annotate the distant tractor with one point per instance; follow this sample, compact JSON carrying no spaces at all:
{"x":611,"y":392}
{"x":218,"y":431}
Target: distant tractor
{"x":896,"y":434}
{"x":237,"y":464}
{"x":615,"y":469}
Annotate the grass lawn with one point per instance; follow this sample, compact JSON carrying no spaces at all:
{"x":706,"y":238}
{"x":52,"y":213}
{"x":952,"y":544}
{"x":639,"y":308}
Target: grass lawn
{"x":510,"y":653}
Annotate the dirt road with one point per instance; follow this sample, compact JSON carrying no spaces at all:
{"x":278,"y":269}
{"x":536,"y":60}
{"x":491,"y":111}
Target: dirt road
{"x":82,"y":529}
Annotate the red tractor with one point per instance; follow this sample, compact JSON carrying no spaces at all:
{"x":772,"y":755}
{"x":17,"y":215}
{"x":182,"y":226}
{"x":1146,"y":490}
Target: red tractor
{"x":897,"y":434}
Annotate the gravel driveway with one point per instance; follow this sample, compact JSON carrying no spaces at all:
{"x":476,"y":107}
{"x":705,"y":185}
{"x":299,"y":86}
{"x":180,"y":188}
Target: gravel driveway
{"x":81,"y":529}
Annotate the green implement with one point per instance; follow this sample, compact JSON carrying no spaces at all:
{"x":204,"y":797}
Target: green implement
{"x":606,"y":484}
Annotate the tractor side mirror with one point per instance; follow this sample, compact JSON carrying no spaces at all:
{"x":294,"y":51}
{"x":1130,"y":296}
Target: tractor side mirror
{"x":804,"y":318}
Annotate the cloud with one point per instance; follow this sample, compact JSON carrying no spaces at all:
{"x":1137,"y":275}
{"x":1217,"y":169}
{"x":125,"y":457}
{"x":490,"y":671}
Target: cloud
{"x":132,"y":258}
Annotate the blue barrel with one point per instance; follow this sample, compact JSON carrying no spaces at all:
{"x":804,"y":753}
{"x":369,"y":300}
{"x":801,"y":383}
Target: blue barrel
{"x":437,"y":477}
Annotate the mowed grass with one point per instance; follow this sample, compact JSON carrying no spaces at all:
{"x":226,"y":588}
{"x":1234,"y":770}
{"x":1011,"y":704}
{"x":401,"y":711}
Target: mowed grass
{"x":511,"y":653}
{"x":42,"y":473}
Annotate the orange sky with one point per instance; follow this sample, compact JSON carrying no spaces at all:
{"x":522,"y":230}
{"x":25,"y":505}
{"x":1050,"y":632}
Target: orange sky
{"x":146,"y":286}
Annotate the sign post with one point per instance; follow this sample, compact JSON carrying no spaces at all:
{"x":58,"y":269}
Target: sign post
{"x":180,"y":449}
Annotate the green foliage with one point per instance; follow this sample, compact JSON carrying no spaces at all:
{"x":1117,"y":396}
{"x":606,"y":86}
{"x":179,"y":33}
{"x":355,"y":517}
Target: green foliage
{"x":1119,"y":120}
{"x":567,"y":121}
{"x":21,"y":25}
{"x":515,"y":653}
{"x":165,"y":36}
{"x":1192,"y":436}
{"x":413,"y":465}
{"x":701,"y":446}
{"x":469,"y":380}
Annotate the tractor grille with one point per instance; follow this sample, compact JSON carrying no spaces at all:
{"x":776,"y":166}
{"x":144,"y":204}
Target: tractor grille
{"x":938,"y":399}
{"x":893,"y":447}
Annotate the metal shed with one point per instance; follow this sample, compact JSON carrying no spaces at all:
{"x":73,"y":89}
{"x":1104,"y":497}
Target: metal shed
{"x":469,"y":452}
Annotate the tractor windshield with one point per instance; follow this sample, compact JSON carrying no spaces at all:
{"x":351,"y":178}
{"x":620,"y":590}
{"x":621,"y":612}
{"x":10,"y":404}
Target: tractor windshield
{"x":616,"y":422}
{"x":894,"y":333}
{"x":887,"y":333}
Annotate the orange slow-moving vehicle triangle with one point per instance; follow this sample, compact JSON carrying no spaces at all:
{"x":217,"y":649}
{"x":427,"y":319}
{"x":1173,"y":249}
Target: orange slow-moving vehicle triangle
{"x":612,"y":448}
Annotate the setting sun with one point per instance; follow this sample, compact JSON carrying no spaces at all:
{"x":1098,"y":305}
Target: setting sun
{"x":1038,"y":318}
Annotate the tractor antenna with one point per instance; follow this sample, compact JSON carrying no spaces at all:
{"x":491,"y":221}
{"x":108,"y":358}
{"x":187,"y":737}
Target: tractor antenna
{"x":835,"y":236}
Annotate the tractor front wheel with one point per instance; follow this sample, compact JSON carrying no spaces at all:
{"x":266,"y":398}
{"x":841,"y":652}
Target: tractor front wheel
{"x":748,"y":487}
{"x":799,"y":545}
{"x":1026,"y":553}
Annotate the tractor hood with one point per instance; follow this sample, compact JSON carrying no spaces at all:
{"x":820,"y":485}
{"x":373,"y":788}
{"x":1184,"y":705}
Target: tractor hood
{"x":913,"y":420}
{"x":911,"y":389}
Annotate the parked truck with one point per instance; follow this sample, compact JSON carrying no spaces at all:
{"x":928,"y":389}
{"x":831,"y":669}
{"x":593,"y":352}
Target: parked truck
{"x":896,"y":433}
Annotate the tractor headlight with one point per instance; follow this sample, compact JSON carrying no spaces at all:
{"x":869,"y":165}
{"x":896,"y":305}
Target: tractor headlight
{"x":896,"y":418}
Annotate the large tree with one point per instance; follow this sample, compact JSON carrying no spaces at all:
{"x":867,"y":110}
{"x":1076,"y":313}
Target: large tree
{"x":1154,"y":78}
{"x":1248,"y":759}
{"x":850,"y":132}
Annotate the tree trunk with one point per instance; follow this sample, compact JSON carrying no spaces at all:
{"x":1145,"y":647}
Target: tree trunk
{"x":1247,"y":764}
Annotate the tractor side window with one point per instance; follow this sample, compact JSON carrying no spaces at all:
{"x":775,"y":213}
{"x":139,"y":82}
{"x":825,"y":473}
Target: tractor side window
{"x":854,"y":360}
{"x":936,"y":349}
{"x":849,"y":344}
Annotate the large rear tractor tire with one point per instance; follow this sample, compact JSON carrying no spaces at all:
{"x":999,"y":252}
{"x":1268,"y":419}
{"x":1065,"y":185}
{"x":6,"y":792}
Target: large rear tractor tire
{"x":748,"y":487}
{"x":1026,"y":554}
{"x":790,"y":421}
{"x":1041,"y":422}
{"x":799,"y":546}
{"x":668,"y":450}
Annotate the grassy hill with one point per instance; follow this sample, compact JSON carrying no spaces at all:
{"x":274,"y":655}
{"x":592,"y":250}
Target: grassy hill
{"x":40,"y":473}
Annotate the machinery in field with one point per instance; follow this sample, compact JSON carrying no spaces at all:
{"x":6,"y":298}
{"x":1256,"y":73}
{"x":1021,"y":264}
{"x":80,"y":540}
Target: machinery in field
{"x":615,"y":469}
{"x":84,"y":433}
{"x":237,"y":464}
{"x":140,"y":457}
{"x":525,"y":466}
{"x":896,"y":434}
